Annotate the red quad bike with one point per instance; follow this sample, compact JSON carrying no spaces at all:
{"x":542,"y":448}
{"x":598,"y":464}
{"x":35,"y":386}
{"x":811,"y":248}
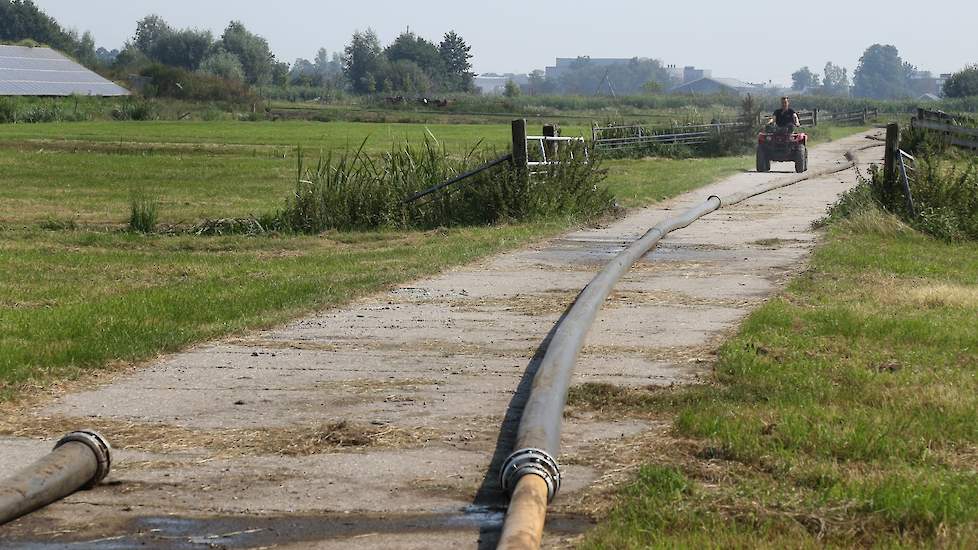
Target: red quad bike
{"x":782,"y":144}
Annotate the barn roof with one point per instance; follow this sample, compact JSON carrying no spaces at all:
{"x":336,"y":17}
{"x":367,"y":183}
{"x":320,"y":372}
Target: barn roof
{"x":26,"y":71}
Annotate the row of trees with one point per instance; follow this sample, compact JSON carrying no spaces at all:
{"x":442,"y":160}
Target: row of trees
{"x":238,"y":54}
{"x":883,"y":74}
{"x":835,"y":81}
{"x":410,"y":64}
{"x":963,"y":83}
{"x":21,"y":20}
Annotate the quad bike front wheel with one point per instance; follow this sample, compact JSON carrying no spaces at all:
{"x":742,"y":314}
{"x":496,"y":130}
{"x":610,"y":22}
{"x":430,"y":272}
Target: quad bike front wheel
{"x":763,"y":163}
{"x":801,"y":160}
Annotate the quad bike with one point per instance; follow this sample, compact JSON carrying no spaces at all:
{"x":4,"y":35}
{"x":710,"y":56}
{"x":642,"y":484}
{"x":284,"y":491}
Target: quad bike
{"x":782,"y":144}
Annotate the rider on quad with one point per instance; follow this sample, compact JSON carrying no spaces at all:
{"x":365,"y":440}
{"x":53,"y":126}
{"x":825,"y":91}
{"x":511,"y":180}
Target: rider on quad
{"x":780,"y":143}
{"x":785,"y":117}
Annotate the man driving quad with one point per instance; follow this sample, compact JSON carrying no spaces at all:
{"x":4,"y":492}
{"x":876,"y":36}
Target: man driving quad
{"x":780,"y":143}
{"x":785,"y":117}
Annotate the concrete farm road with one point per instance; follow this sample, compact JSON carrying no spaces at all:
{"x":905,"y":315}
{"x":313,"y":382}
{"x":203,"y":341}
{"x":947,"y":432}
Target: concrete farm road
{"x":379,"y":424}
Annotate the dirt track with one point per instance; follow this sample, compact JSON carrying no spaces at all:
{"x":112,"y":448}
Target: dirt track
{"x":377,"y":425}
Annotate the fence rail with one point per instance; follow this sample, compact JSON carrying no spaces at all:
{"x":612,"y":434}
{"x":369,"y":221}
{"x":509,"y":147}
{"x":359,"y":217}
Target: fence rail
{"x":864,"y":116}
{"x":636,"y":136}
{"x":952,"y":128}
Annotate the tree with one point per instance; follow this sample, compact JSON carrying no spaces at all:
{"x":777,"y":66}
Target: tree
{"x":803,"y":79}
{"x":364,"y":62}
{"x":455,"y":56}
{"x":512,"y":89}
{"x":882,"y":74}
{"x":540,"y":84}
{"x":22,"y":20}
{"x":185,"y":48}
{"x":406,"y":76}
{"x":652,"y":87}
{"x":223,"y":64}
{"x":410,"y":47}
{"x":328,"y":66}
{"x":107,"y":57}
{"x":836,"y":81}
{"x":963,"y":83}
{"x":150,"y":30}
{"x":256,"y":57}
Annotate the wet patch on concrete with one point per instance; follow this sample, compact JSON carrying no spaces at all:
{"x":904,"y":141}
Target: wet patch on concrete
{"x":183,"y":533}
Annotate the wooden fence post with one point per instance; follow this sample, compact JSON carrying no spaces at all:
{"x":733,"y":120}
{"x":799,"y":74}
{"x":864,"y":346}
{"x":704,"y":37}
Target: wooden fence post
{"x":814,"y":117}
{"x":892,"y":150}
{"x":550,"y":130}
{"x":520,"y":151}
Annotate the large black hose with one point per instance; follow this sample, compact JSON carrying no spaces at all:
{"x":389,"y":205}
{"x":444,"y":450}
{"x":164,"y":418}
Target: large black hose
{"x":80,"y":460}
{"x":538,"y":438}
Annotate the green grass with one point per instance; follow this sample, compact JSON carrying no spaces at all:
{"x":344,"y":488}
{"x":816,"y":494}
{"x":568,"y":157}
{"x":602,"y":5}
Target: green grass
{"x":845,"y":413}
{"x":78,"y":292}
{"x":311,"y":135}
{"x":639,"y":182}
{"x":77,"y":300}
{"x":94,"y":188}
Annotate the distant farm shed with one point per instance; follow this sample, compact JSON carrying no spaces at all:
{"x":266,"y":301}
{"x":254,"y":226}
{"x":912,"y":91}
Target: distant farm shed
{"x":712,"y":85}
{"x":26,"y":71}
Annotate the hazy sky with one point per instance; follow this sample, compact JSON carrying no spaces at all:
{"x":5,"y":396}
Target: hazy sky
{"x":757,"y":43}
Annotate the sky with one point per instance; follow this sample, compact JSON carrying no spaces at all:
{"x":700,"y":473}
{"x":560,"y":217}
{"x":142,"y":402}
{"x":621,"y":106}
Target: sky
{"x":756,"y":41}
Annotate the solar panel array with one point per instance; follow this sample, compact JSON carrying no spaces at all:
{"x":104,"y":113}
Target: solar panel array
{"x":44,"y":72}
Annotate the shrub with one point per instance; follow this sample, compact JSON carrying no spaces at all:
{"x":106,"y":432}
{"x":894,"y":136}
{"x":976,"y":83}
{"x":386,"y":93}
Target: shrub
{"x":945,"y":192}
{"x":8,"y":111}
{"x":135,"y":110}
{"x":177,"y":83}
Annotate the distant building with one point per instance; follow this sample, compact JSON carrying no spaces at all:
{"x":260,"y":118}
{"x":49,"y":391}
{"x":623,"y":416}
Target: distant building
{"x":692,"y":74}
{"x":495,"y":84}
{"x":924,"y":83}
{"x":567,"y":64}
{"x":712,"y":85}
{"x":44,"y":72}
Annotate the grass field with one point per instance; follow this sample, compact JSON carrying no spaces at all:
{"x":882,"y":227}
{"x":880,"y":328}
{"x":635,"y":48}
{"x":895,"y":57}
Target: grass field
{"x":77,"y":292}
{"x":844,"y":414}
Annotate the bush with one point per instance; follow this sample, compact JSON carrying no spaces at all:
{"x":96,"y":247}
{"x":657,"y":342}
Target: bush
{"x":177,"y":83}
{"x":945,"y":192}
{"x":135,"y":110}
{"x":8,"y":111}
{"x":356,"y":191}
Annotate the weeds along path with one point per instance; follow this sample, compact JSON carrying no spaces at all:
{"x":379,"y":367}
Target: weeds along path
{"x":379,"y":425}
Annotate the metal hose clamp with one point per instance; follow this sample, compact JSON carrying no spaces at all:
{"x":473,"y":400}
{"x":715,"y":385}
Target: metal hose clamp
{"x":531,"y":461}
{"x":99,"y":446}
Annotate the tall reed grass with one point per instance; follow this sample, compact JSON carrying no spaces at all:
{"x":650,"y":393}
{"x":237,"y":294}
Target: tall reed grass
{"x":356,"y":190}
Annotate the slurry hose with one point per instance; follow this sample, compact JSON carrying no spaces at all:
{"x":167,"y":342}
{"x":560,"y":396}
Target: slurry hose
{"x":80,"y":460}
{"x":531,"y":475}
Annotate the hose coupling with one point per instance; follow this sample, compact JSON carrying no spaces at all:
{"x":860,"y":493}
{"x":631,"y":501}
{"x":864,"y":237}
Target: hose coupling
{"x":100,"y":448}
{"x":527,"y":462}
